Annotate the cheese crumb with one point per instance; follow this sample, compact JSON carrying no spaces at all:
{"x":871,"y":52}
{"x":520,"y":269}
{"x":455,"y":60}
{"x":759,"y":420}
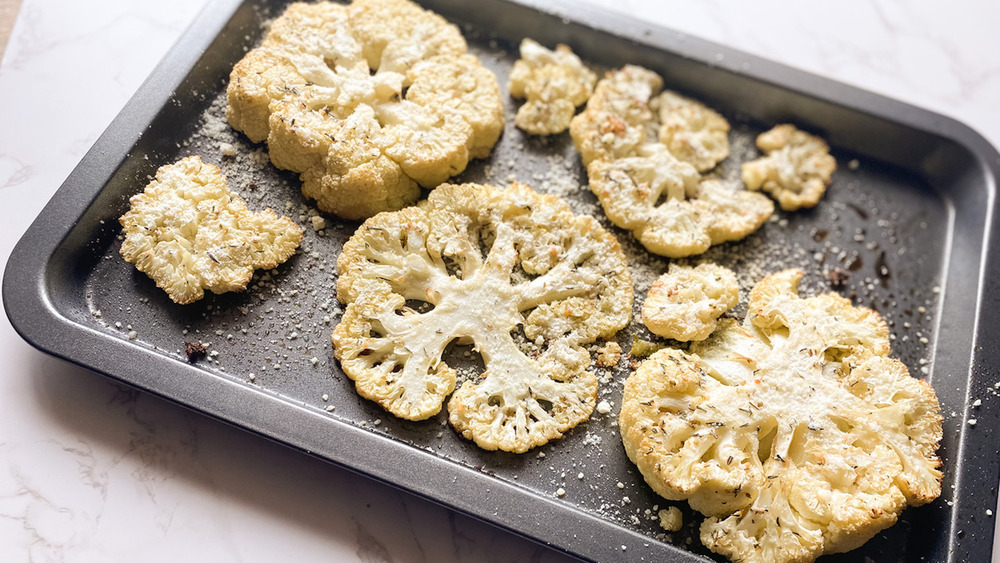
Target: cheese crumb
{"x":603,"y":407}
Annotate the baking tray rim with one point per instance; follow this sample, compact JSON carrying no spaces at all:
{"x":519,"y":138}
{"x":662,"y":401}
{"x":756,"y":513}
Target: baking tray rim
{"x":38,"y":321}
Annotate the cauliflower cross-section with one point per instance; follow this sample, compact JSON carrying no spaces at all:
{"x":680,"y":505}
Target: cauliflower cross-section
{"x":515,"y":273}
{"x":686,"y":303}
{"x":367,"y":102}
{"x":554,"y":84}
{"x":796,"y":169}
{"x":795,"y":433}
{"x":644,"y":149}
{"x":189,"y":233}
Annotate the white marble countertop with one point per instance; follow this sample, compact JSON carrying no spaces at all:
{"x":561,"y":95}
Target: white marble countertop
{"x":91,"y":471}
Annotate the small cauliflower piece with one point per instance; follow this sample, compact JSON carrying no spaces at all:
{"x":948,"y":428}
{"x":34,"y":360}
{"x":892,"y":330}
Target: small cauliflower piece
{"x":692,"y":131}
{"x":479,"y":265}
{"x":609,"y":354}
{"x":668,"y":208}
{"x":554,"y":84}
{"x":367,"y":102}
{"x":189,"y":233}
{"x":671,"y":518}
{"x":644,"y":148}
{"x":796,"y":169}
{"x":686,"y":303}
{"x":795,"y":433}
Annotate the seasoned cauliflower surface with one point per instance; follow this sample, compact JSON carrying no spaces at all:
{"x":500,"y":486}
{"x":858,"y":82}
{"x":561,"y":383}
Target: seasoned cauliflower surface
{"x":796,"y":169}
{"x":189,"y":233}
{"x":644,"y":148}
{"x":686,"y":302}
{"x":367,"y":102}
{"x":794,"y":433}
{"x":512,"y":272}
{"x":554,"y":84}
{"x":692,"y":131}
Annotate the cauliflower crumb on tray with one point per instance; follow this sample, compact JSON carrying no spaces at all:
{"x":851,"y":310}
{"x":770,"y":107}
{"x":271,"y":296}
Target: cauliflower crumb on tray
{"x":644,"y":149}
{"x":685,"y":303}
{"x":795,"y":433}
{"x":189,"y":233}
{"x":671,"y":518}
{"x":554,"y":84}
{"x":796,"y":169}
{"x":480,"y":265}
{"x":367,"y":102}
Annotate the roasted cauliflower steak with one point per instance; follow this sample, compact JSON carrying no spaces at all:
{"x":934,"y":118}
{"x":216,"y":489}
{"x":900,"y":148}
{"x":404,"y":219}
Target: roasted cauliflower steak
{"x":796,"y":167}
{"x":685,"y":303}
{"x":795,"y":433}
{"x":644,"y":149}
{"x":553,"y":83}
{"x":366,"y":101}
{"x":512,"y":272}
{"x":189,"y":233}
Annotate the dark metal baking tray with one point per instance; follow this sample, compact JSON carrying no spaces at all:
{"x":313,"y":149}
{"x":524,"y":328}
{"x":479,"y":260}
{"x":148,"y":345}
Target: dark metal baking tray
{"x":910,"y":217}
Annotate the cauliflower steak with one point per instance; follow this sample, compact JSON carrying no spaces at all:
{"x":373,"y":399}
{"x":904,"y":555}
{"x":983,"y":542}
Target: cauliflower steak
{"x":366,"y":102}
{"x":512,"y":272}
{"x":794,"y":433}
{"x":189,"y":233}
{"x":644,"y":150}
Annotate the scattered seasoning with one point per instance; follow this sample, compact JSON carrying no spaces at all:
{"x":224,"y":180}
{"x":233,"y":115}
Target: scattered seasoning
{"x":838,"y":278}
{"x":196,"y":351}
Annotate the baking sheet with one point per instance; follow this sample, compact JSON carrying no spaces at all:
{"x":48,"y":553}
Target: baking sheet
{"x":908,"y":217}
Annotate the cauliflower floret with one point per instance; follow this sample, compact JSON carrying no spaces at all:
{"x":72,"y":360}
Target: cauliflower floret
{"x":554,"y":83}
{"x":615,"y":121}
{"x":643,"y":149}
{"x":189,"y":233}
{"x":686,"y":303}
{"x":367,"y":102}
{"x":795,"y":433}
{"x":671,"y":518}
{"x":476,"y":264}
{"x":796,"y":170}
{"x":661,"y":200}
{"x":692,"y":131}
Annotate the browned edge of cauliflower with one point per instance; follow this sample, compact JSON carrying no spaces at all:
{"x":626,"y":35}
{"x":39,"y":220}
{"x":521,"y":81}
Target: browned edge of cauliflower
{"x":796,"y":167}
{"x":366,"y":101}
{"x":685,"y":303}
{"x":513,"y":272}
{"x":644,"y":149}
{"x":794,"y":433}
{"x":553,"y":82}
{"x":188,"y":232}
